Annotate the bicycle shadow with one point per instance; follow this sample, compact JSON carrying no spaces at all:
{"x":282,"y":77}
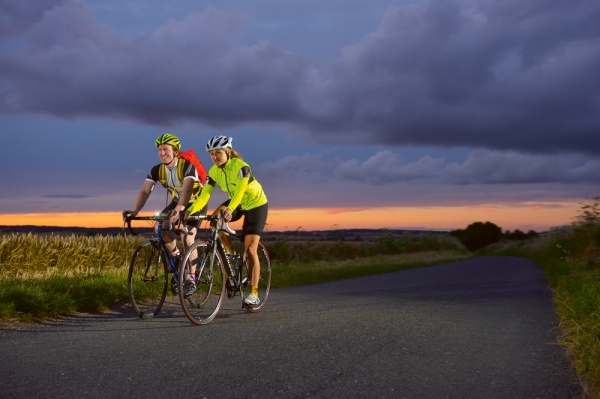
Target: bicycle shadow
{"x":120,"y":317}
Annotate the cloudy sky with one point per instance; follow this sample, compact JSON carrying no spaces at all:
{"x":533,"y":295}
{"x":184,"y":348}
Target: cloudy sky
{"x":407,"y":114}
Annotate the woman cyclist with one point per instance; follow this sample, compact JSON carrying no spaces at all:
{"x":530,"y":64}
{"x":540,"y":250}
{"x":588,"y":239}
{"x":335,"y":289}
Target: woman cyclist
{"x":180,"y":178}
{"x":246,"y":198}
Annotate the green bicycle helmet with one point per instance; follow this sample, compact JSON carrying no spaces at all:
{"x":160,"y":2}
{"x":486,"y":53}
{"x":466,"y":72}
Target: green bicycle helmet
{"x":170,"y":139}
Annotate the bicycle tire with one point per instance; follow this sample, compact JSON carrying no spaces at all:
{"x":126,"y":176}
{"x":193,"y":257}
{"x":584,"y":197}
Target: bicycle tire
{"x":202,"y":306}
{"x":264,"y":282}
{"x":147,"y":279}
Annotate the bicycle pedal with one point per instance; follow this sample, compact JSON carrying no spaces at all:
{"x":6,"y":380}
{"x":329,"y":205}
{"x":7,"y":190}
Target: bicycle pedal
{"x":174,"y":286}
{"x":247,"y":306}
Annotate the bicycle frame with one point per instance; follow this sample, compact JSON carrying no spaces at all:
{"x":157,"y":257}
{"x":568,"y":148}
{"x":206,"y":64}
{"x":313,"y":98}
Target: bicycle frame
{"x":148,"y":270}
{"x":163,"y":245}
{"x":157,"y":236}
{"x":215,"y":243}
{"x":216,"y":273}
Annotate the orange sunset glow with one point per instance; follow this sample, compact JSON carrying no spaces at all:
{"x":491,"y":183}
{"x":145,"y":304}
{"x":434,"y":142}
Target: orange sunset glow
{"x":525,"y":217}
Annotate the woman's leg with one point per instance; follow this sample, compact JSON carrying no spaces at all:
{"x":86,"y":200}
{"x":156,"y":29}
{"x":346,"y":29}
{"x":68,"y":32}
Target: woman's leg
{"x":224,"y":235}
{"x":251,"y":249}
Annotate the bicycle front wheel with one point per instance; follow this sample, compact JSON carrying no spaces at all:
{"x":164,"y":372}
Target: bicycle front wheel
{"x":202,"y":305}
{"x":264,"y":280}
{"x":147,"y":279}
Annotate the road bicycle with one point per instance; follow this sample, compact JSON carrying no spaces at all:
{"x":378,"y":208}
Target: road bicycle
{"x":151,"y":264}
{"x":218,"y":274}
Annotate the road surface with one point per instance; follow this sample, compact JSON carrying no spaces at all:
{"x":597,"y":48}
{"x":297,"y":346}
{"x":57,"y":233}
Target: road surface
{"x":480,"y":328}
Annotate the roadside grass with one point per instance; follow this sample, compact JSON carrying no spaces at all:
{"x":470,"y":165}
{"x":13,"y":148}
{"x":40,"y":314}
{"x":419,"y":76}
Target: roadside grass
{"x":570,"y":257}
{"x":46,"y":276}
{"x":34,"y":299}
{"x":311,"y":272}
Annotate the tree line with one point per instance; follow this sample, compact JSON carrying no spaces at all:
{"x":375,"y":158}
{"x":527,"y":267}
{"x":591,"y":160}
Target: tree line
{"x":478,"y":235}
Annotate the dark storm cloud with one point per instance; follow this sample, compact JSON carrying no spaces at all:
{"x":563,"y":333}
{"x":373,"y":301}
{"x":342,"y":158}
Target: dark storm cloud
{"x":519,"y":75}
{"x":72,"y":66}
{"x":480,"y":167}
{"x":504,"y":75}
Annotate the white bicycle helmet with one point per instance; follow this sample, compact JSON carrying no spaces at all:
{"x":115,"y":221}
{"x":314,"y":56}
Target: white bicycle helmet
{"x":218,"y":142}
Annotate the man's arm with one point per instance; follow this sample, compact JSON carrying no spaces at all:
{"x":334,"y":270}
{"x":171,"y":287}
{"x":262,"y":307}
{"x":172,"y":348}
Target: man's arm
{"x":143,"y":196}
{"x":186,"y":194}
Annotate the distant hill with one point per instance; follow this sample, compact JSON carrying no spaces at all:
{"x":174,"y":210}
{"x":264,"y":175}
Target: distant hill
{"x":342,"y":234}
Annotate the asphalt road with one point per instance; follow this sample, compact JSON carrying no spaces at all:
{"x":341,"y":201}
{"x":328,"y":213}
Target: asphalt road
{"x":481,"y":328}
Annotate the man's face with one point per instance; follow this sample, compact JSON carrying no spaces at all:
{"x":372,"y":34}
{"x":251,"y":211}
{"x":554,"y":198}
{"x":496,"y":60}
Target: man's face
{"x":166,"y":154}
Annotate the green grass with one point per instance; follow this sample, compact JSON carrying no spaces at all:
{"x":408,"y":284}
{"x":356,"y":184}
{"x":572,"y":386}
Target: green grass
{"x":311,"y":272}
{"x":570,"y":257}
{"x":46,"y":276}
{"x":42,"y":298}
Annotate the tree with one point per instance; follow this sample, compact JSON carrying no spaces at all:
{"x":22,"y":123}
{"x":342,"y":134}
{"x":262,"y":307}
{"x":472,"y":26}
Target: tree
{"x":478,"y":235}
{"x":589,"y":214}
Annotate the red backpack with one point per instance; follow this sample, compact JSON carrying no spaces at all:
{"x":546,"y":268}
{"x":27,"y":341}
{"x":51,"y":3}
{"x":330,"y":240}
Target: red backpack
{"x":190,"y":156}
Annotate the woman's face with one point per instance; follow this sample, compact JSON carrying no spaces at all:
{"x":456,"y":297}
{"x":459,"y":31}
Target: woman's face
{"x":219,"y":157}
{"x":166,"y":154}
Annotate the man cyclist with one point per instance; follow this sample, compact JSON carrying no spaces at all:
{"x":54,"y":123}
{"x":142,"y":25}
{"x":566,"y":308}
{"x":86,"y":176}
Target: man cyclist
{"x":246,"y":198}
{"x":180,"y":178}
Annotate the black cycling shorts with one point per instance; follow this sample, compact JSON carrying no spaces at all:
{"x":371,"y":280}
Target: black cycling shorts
{"x":255,"y":219}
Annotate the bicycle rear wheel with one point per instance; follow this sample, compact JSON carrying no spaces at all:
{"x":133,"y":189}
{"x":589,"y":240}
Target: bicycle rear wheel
{"x":204,"y":303}
{"x":264,"y":281}
{"x":147,"y":279}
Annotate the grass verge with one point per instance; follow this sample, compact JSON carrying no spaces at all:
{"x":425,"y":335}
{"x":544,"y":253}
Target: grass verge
{"x":32,"y":299}
{"x":570,"y":257}
{"x":311,"y":272}
{"x":29,"y":300}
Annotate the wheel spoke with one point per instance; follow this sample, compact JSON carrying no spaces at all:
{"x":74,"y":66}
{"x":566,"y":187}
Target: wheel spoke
{"x":264,"y":281}
{"x":204,"y":303}
{"x":147,"y":280}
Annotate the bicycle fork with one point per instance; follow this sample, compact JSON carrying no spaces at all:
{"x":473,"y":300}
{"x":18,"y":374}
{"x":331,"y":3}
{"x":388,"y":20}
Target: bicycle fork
{"x":152,"y":266}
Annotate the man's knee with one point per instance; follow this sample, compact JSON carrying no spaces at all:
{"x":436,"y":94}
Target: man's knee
{"x":167,"y":236}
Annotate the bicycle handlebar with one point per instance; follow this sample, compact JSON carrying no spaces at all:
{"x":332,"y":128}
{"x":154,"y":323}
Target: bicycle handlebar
{"x":216,"y":218}
{"x":196,"y":217}
{"x":127,"y":218}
